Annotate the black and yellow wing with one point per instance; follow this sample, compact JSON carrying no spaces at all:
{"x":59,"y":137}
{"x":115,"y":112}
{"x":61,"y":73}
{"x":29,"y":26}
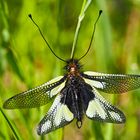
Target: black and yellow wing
{"x":101,"y":110}
{"x":112,"y":83}
{"x":58,"y":116}
{"x":37,"y":96}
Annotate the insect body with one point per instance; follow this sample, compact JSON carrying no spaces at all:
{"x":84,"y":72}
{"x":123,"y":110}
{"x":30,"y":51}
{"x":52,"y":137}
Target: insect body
{"x":76,"y":94}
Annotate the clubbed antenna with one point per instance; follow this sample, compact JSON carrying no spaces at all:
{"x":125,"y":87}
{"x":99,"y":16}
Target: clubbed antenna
{"x":94,"y":28}
{"x":30,"y":16}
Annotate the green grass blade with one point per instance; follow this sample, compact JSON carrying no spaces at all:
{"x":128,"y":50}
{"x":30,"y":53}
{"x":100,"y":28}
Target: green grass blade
{"x":109,"y":131}
{"x":80,"y":18}
{"x":13,"y":62}
{"x":11,"y":126}
{"x":97,"y":129}
{"x":6,"y":40}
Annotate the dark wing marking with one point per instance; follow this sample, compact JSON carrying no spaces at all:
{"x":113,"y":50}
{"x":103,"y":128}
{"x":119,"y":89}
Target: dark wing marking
{"x":112,"y":83}
{"x":36,"y":97}
{"x":58,"y":116}
{"x":101,"y":110}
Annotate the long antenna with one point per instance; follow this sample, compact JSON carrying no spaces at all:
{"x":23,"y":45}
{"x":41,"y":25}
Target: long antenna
{"x":30,"y":16}
{"x":100,"y":12}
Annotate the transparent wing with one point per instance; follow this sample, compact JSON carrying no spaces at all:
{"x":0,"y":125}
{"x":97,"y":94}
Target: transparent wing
{"x":100,"y":110}
{"x":36,"y":97}
{"x":58,"y":116}
{"x":112,"y":83}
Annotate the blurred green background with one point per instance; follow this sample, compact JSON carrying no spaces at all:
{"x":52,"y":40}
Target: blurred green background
{"x":26,"y":62}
